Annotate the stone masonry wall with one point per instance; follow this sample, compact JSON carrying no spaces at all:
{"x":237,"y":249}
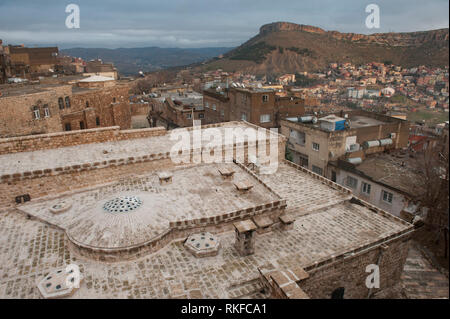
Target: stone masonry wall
{"x":61,"y":139}
{"x":351,"y":272}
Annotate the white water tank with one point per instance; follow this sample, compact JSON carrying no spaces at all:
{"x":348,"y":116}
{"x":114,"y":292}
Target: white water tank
{"x":368,"y":144}
{"x":355,"y":160}
{"x":385,"y":141}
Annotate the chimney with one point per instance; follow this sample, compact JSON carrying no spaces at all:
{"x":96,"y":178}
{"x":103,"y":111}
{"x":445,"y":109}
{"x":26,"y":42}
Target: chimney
{"x":244,"y":231}
{"x":165,"y":178}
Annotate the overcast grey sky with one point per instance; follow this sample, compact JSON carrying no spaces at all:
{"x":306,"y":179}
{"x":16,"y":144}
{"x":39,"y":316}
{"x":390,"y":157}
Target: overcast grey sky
{"x":199,"y":23}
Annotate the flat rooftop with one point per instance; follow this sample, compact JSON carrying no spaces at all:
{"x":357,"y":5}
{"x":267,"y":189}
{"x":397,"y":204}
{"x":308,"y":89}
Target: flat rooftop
{"x":396,"y":170}
{"x":358,"y":121}
{"x":8,"y":90}
{"x":31,"y":248}
{"x":97,"y":152}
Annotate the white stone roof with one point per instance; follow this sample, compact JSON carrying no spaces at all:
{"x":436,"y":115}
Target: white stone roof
{"x":97,"y":78}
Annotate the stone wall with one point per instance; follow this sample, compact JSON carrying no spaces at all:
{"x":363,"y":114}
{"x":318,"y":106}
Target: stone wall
{"x":350,"y":273}
{"x":61,"y":139}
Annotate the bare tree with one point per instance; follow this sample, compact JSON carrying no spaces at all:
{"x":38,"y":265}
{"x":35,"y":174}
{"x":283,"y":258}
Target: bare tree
{"x":434,"y":170}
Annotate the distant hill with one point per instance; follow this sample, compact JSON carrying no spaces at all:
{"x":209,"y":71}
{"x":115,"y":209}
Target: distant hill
{"x":284,"y":47}
{"x":132,"y":60}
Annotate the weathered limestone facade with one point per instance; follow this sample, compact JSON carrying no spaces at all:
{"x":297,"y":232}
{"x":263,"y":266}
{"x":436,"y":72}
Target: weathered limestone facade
{"x":61,"y":108}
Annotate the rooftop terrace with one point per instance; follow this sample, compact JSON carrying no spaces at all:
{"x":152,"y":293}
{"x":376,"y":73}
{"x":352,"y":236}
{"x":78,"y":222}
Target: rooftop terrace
{"x":138,"y":210}
{"x":99,"y":152}
{"x":30,"y":249}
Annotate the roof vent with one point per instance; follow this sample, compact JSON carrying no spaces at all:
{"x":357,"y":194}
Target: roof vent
{"x":60,"y":206}
{"x":226,"y":172}
{"x":243,"y":186}
{"x":165,"y":178}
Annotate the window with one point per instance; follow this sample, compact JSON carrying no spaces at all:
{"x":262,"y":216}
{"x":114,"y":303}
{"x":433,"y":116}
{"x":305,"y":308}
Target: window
{"x":298,"y":137}
{"x":188,"y":115}
{"x":36,"y":113}
{"x":351,"y":182}
{"x":222,"y":113}
{"x":87,"y":103}
{"x":315,"y":146}
{"x":67,"y":127}
{"x":243,"y":117}
{"x":206,"y":104}
{"x":61,"y":103}
{"x":46,"y":111}
{"x":317,"y":170}
{"x":387,"y":197}
{"x":303,"y":160}
{"x":67,"y":102}
{"x":265,"y":98}
{"x":244,"y":98}
{"x":333,"y":176}
{"x":82,"y":125}
{"x":201,"y":115}
{"x":97,"y":121}
{"x":114,"y":100}
{"x":365,"y":188}
{"x":214,"y":107}
{"x":264,"y":118}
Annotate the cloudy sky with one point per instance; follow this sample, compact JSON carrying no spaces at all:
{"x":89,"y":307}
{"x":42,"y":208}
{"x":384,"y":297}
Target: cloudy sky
{"x":200,"y":23}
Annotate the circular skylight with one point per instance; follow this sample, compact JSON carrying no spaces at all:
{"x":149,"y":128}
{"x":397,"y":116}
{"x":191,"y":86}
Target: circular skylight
{"x":123,"y":204}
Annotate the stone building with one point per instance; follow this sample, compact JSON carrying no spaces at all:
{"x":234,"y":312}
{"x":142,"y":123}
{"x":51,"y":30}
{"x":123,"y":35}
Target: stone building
{"x":261,"y":107}
{"x":29,"y":63}
{"x":49,"y":108}
{"x":98,"y":67}
{"x":5,"y":64}
{"x":313,"y":142}
{"x":115,"y":203}
{"x":388,"y":181}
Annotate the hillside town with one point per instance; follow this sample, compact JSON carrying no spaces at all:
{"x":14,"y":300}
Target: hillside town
{"x":87,"y":178}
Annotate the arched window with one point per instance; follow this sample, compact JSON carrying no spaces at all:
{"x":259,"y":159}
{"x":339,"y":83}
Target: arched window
{"x":67,"y":102}
{"x":338,"y":293}
{"x":87,"y":103}
{"x":46,"y":111}
{"x":36,"y":113}
{"x":61,"y":103}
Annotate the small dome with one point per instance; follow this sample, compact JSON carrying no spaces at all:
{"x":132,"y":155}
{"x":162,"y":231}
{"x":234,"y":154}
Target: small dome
{"x":123,"y":204}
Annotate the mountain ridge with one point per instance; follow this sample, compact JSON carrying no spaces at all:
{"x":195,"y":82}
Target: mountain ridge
{"x":285,"y":47}
{"x":151,"y":58}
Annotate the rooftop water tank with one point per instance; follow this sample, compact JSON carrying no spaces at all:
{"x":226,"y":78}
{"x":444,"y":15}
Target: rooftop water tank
{"x":355,"y":160}
{"x":307,"y":119}
{"x":385,"y":141}
{"x":368,"y":144}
